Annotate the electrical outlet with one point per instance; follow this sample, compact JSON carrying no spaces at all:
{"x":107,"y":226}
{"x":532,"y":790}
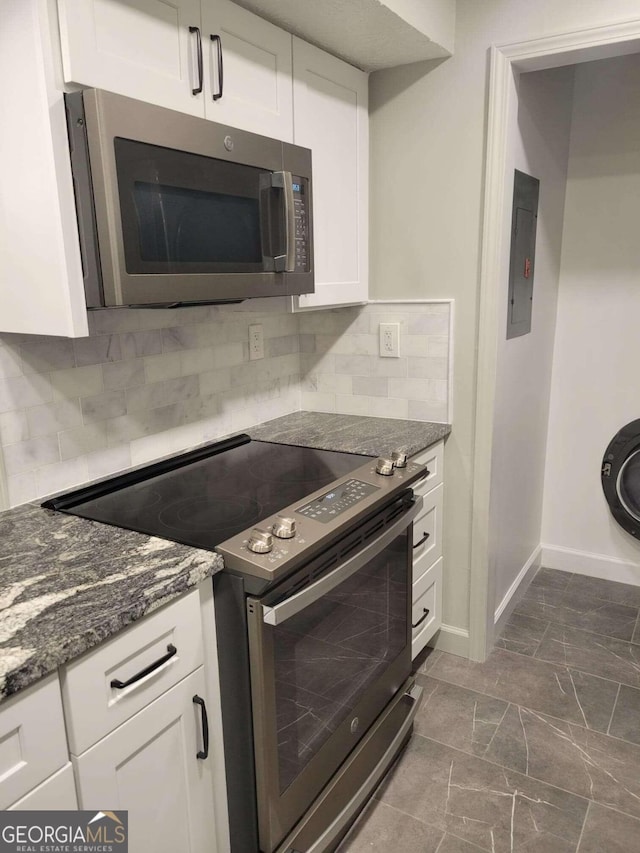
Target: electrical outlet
{"x":256,"y":342}
{"x":390,"y":340}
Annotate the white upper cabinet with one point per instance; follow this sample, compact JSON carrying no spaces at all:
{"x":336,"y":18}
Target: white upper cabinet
{"x":41,"y":289}
{"x":139,"y":48}
{"x":330,"y":104}
{"x":171,"y":52}
{"x":256,"y":57}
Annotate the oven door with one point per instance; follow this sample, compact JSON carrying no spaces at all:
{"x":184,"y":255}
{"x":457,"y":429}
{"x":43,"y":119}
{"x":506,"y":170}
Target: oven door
{"x":328,"y":653}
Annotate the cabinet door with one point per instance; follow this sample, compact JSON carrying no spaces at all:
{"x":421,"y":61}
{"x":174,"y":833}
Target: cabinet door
{"x":330,"y":108}
{"x":139,"y":48}
{"x":149,"y":766}
{"x":256,"y":57}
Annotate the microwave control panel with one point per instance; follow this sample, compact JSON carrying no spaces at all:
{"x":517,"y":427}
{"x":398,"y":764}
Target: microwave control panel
{"x":301,"y":213}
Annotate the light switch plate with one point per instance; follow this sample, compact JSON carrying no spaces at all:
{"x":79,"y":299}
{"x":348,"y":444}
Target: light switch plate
{"x":256,"y":342}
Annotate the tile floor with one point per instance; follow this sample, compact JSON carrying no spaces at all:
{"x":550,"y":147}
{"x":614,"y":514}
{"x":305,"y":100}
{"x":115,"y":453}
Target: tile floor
{"x":538,"y":748}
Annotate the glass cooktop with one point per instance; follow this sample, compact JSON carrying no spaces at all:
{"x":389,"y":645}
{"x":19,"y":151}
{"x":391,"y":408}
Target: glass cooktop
{"x":205,"y":497}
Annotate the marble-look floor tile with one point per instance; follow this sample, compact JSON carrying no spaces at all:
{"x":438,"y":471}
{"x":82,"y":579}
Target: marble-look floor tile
{"x":382,"y":828}
{"x":636,"y":633}
{"x":522,"y":634}
{"x":594,"y":653}
{"x":559,"y":691}
{"x":622,"y":593}
{"x":457,"y":716}
{"x":498,"y":810}
{"x":431,"y":657}
{"x":608,"y":831}
{"x":587,"y":763}
{"x":453,"y":844}
{"x":551,"y":578}
{"x":625,"y":722}
{"x":580,"y":611}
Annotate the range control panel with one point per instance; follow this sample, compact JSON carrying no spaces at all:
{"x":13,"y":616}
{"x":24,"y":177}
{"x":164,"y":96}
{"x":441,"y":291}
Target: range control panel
{"x":338,"y":500}
{"x":301,"y":213}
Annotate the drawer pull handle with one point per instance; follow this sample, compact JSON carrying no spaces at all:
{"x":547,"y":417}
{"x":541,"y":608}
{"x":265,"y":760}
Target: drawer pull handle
{"x":422,"y":541}
{"x":203,"y":753}
{"x":171,"y":651}
{"x":425,"y":613}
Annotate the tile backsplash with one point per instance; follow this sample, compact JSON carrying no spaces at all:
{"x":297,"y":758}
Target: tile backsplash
{"x":150,"y":382}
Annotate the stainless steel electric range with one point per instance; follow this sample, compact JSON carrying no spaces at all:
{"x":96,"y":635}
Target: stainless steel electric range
{"x":313,"y":620}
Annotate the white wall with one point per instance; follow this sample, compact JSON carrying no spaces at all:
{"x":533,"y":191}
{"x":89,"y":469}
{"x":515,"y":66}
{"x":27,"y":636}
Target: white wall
{"x":596,"y":374}
{"x":540,"y":147}
{"x":427,"y":158}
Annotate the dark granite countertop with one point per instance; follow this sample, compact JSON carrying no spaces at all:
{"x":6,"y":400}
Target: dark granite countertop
{"x":67,"y":584}
{"x":351,"y":433}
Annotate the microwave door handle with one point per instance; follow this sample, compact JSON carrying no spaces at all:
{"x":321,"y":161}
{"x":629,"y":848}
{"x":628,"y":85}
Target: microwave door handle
{"x":287,"y":261}
{"x":279,"y":613}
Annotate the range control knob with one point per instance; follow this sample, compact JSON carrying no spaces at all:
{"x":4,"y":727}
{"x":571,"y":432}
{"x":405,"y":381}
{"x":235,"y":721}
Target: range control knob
{"x":260,"y":541}
{"x":384,"y":466}
{"x":399,"y":458}
{"x":284,"y":528}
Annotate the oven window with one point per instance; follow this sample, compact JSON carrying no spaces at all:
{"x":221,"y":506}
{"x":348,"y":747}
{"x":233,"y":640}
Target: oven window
{"x":328,"y":655}
{"x":186,"y":213}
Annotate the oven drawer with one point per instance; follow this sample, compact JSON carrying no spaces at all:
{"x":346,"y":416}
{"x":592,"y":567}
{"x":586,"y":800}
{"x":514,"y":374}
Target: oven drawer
{"x":427,"y":528}
{"x":433,"y":458}
{"x":146,"y":659}
{"x":426,"y":615}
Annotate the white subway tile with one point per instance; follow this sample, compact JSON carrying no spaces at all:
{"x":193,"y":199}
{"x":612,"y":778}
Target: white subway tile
{"x":14,"y":427}
{"x":20,"y":392}
{"x":101,"y":407}
{"x":370,"y":386}
{"x":428,"y":368}
{"x":425,"y":411}
{"x":30,"y":454}
{"x":83,"y":440}
{"x":393,"y":407}
{"x":53,"y":417}
{"x":123,"y":374}
{"x":22,"y":488}
{"x":214,"y":381}
{"x":139,"y":344}
{"x":61,"y":475}
{"x":311,"y":402}
{"x":10,"y":362}
{"x":196,"y":361}
{"x":354,"y":365}
{"x":109,"y":320}
{"x":47,"y":354}
{"x":77,"y":382}
{"x":131,"y":426}
{"x":352,"y":405}
{"x":438,"y":346}
{"x":107,"y":461}
{"x":392,"y":367}
{"x":97,"y":350}
{"x":160,"y":367}
{"x":429,"y":324}
{"x":179,"y":338}
{"x":416,"y":346}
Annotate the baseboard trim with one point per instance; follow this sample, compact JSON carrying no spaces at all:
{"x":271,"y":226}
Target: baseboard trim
{"x":516,"y":590}
{"x":453,"y":640}
{"x":591,"y":565}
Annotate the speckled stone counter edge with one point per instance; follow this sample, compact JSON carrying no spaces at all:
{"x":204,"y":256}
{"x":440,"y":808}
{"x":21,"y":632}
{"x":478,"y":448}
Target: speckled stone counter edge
{"x":351,"y":433}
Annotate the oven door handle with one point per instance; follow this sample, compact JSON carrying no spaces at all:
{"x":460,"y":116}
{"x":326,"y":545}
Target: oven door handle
{"x":279,"y":613}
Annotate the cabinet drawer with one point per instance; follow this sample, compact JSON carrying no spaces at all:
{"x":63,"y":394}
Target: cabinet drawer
{"x":57,"y":793}
{"x":427,"y":607}
{"x":427,"y":528}
{"x":29,"y":750}
{"x":433,"y":458}
{"x":93,"y":707}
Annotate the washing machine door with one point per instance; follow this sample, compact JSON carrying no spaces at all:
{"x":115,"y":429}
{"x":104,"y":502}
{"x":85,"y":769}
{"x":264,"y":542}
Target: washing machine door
{"x":620,"y":475}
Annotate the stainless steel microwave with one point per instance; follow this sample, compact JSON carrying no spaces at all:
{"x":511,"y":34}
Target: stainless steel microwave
{"x":174,"y":209}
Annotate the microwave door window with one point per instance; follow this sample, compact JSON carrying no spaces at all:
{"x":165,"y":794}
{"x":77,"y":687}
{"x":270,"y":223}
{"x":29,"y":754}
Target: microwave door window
{"x":180,"y":226}
{"x":185,"y":213}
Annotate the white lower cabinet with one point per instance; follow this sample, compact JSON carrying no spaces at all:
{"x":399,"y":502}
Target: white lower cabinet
{"x":154,"y":766}
{"x":427,"y":551}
